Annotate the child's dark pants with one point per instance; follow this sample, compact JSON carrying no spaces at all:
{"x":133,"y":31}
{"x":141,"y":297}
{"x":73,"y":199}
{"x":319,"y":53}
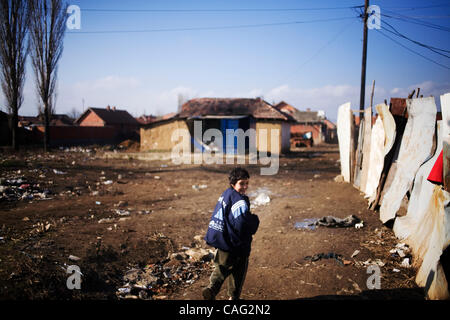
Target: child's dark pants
{"x":231,"y":266}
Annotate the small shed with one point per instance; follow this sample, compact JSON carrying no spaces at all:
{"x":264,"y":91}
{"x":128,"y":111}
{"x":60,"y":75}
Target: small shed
{"x":222,"y":114}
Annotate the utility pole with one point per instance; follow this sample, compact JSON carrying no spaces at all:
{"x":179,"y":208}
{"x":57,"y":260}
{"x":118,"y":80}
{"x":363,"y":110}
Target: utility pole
{"x":363,"y":67}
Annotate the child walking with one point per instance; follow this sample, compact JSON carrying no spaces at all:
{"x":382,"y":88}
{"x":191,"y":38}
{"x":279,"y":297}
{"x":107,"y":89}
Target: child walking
{"x":230,"y":231}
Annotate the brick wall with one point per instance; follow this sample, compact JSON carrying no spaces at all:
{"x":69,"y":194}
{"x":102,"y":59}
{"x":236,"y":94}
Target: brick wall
{"x":79,"y":135}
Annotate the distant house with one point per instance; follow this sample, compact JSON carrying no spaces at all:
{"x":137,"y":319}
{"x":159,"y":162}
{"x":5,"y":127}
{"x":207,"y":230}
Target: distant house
{"x":61,"y":120}
{"x":310,"y":123}
{"x":220,"y":114}
{"x":28,"y":121}
{"x":56,"y":120}
{"x":144,"y":119}
{"x":124,"y":123}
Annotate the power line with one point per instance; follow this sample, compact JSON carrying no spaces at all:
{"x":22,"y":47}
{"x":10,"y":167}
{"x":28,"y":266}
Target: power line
{"x":215,"y":10}
{"x":210,"y":28}
{"x":409,"y":49}
{"x":423,"y":7}
{"x":415,"y":21}
{"x":434,"y":49}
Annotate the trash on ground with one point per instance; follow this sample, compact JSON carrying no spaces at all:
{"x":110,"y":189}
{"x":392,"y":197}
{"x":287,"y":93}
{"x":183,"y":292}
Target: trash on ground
{"x":121,"y":204}
{"x":355,"y":253}
{"x":330,"y":255}
{"x":401,"y":250}
{"x":198,"y":187}
{"x":406,"y":263}
{"x":122,"y":213}
{"x":359,"y":225}
{"x":155,"y":281}
{"x":58,"y":171}
{"x":369,"y":261}
{"x":261,"y":200}
{"x":74,"y":258}
{"x":332,"y":222}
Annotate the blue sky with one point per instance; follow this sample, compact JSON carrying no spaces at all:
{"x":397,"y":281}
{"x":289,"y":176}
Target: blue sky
{"x":313,"y":65}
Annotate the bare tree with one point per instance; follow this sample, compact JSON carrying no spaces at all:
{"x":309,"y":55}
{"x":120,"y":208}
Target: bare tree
{"x":47,"y":29}
{"x":13,"y":55}
{"x":74,"y":113}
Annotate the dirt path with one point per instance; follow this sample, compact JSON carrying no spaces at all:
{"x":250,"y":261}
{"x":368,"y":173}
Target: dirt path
{"x":166,"y":213}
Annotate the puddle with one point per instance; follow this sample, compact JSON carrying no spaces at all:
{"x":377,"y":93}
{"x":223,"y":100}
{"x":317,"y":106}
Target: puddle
{"x":308,"y":224}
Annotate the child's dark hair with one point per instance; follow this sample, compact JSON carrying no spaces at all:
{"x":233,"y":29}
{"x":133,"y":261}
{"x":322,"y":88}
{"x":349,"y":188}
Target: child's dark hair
{"x":237,"y":174}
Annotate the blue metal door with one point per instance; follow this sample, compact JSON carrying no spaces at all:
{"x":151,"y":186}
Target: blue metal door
{"x":229,"y":124}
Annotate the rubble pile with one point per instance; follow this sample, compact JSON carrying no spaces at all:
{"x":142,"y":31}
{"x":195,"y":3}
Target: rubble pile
{"x":157,"y":280}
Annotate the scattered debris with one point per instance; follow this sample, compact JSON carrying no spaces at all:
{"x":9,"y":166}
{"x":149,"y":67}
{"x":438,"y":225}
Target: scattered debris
{"x":355,"y":253}
{"x":369,"y":261}
{"x":58,"y":171}
{"x":406,"y":263}
{"x":74,"y":258}
{"x":330,"y":255}
{"x":333,"y":222}
{"x":122,"y":213}
{"x":401,"y":250}
{"x":198,"y":187}
{"x":121,"y":204}
{"x":20,"y":188}
{"x":200,"y":254}
{"x":359,"y":225}
{"x":261,"y":200}
{"x":339,"y":179}
{"x":261,"y":197}
{"x":355,"y":285}
{"x":156,"y":280}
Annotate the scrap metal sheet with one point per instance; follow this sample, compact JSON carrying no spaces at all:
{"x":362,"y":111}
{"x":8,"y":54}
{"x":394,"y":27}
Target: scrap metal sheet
{"x":415,"y":147}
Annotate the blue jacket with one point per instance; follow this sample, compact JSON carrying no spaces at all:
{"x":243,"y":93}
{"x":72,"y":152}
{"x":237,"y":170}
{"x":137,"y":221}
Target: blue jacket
{"x":232,"y":225}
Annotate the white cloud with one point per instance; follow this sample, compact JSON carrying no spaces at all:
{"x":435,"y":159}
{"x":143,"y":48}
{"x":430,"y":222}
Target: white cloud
{"x":138,"y":97}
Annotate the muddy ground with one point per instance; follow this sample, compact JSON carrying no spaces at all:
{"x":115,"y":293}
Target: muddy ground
{"x":122,"y":215}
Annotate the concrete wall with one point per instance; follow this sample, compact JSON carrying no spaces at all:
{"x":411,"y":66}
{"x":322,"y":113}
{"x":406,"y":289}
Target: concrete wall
{"x":159,"y":137}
